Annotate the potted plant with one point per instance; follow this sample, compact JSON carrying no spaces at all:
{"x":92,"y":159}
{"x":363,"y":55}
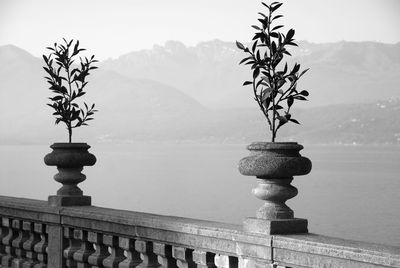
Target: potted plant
{"x":275,"y":89}
{"x":66,"y":74}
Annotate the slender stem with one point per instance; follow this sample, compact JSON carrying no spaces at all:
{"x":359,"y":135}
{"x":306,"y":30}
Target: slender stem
{"x":273,"y":118}
{"x":273,"y":83}
{"x":69,"y":100}
{"x":260,"y":103}
{"x":284,"y":93}
{"x":70,"y":133}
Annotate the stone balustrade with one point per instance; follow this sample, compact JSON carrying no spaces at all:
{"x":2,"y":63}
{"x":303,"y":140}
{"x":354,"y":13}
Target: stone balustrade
{"x":35,"y":234}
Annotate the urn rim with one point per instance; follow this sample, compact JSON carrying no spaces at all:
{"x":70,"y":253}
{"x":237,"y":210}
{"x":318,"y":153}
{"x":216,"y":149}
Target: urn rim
{"x":67,"y":145}
{"x":265,"y":146}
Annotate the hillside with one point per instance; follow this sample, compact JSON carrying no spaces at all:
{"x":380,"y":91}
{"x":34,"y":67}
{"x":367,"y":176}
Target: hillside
{"x":139,"y":109}
{"x":128,"y":107}
{"x":343,"y":72}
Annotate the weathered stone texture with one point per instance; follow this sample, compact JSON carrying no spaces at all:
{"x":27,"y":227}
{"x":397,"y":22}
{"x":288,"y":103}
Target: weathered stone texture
{"x":70,"y":158}
{"x":81,"y":234}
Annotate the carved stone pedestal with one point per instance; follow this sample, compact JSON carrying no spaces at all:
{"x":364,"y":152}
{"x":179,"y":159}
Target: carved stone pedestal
{"x":274,"y":165}
{"x":70,"y":158}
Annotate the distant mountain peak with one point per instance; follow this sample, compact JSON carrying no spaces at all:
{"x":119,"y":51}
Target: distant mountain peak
{"x":10,"y":52}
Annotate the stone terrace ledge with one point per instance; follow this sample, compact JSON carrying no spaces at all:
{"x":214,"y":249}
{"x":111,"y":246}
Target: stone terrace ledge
{"x":34,"y":234}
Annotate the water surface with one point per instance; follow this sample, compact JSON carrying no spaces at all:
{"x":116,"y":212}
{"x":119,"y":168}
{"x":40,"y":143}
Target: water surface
{"x":352,"y":191}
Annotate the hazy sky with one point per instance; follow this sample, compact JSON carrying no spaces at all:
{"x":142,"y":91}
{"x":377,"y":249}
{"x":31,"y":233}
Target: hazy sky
{"x":111,"y":28}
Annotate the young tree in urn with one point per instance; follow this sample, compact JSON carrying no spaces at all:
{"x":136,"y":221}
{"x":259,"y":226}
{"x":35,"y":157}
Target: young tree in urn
{"x":66,"y":74}
{"x":274,"y":84}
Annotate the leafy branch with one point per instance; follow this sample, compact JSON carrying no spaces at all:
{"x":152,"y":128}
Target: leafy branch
{"x":274,"y":90}
{"x":67,"y":82}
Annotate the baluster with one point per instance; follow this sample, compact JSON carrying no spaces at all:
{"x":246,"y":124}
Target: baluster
{"x":73,"y":246}
{"x":117,"y":254}
{"x":164,"y":253}
{"x":145,"y":248}
{"x":41,"y":247}
{"x":86,"y":249}
{"x":204,"y":259}
{"x":9,"y":251}
{"x":101,"y":250}
{"x":33,"y":239}
{"x":3,"y":233}
{"x":183,"y":257}
{"x":17,"y":243}
{"x":132,"y":256}
{"x":223,"y":261}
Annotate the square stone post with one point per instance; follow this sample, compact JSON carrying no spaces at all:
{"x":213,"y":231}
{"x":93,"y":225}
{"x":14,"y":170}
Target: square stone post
{"x":56,"y":246}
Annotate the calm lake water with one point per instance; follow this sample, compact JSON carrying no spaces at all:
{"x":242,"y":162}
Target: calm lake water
{"x":352,"y":191}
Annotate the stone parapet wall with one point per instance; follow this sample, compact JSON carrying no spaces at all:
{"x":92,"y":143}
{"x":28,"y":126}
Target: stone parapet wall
{"x":34,"y":234}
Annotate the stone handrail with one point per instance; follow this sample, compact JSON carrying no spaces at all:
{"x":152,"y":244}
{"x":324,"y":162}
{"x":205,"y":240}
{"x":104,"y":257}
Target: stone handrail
{"x":35,"y":234}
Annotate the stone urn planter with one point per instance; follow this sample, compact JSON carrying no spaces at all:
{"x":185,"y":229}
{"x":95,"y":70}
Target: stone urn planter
{"x":274,"y":164}
{"x":69,"y":158}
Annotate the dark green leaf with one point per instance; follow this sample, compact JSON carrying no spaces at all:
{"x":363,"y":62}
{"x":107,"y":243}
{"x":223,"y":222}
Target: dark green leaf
{"x":266,"y":93}
{"x":303,"y":72}
{"x":286,"y":52}
{"x":245,"y":59}
{"x":273,"y":47}
{"x":264,"y":4}
{"x":247,"y":83}
{"x":56,"y":98}
{"x":277,"y":27}
{"x":266,"y":103}
{"x":290,"y":101}
{"x":250,"y":62}
{"x":253,"y":47}
{"x":277,"y":17}
{"x":274,"y":34}
{"x":281,"y":83}
{"x":282,"y":119}
{"x":266,"y":79}
{"x":295,"y":68}
{"x":299,"y":97}
{"x":304,"y":93}
{"x":275,"y":7}
{"x":262,"y":14}
{"x":290,"y":34}
{"x":256,"y":72}
{"x":76,"y":47}
{"x":239,"y":45}
{"x":81,"y":94}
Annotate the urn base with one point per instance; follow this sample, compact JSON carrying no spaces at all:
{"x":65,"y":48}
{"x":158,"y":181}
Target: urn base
{"x":276,"y":226}
{"x":66,"y":201}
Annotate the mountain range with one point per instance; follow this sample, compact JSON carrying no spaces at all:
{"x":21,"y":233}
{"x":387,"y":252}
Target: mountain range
{"x":343,"y":72}
{"x":183,"y":94}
